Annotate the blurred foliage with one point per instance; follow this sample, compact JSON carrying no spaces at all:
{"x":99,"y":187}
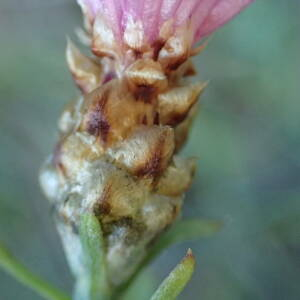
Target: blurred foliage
{"x":246,"y":137}
{"x":24,"y":276}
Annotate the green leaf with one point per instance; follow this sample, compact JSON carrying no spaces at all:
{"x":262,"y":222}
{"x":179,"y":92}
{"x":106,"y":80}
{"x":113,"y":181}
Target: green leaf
{"x":93,"y":246}
{"x":186,"y":230}
{"x":141,"y":288}
{"x":183,"y":231}
{"x":174,"y":284}
{"x":26,"y":277}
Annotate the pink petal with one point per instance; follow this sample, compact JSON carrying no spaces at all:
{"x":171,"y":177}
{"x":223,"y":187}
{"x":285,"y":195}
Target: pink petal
{"x":223,"y":12}
{"x":135,"y":8}
{"x":206,"y":15}
{"x":185,"y":10}
{"x":168,"y":9}
{"x":201,"y":12}
{"x":113,"y":13}
{"x":151,"y":15}
{"x":90,"y":7}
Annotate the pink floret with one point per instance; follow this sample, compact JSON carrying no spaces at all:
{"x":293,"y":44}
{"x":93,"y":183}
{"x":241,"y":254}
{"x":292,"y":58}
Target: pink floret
{"x":205,"y":15}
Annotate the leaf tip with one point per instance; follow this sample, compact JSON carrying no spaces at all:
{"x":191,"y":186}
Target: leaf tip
{"x":189,"y":259}
{"x":190,"y":254}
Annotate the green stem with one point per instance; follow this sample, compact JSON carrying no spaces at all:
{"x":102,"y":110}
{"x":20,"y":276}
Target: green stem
{"x":27,"y":278}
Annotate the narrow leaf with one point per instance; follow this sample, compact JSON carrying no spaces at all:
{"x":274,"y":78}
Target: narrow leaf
{"x":93,"y":247}
{"x":27,"y":278}
{"x":183,"y":231}
{"x":174,"y":284}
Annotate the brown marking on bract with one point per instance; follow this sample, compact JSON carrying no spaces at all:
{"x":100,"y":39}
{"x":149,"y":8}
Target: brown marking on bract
{"x":144,"y":93}
{"x":190,"y":71}
{"x":146,"y":76}
{"x":153,"y":167}
{"x":57,"y":158}
{"x":177,"y":118}
{"x":103,"y":206}
{"x":174,"y":64}
{"x":156,"y":118}
{"x":98,"y":124}
{"x":174,"y":106}
{"x":157,"y":46}
{"x":172,"y":56}
{"x":103,"y":52}
{"x":175,"y":211}
{"x":137,"y":53}
{"x":144,"y":121}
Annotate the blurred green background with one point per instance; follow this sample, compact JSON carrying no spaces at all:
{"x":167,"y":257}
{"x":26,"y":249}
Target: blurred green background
{"x":247,"y":138}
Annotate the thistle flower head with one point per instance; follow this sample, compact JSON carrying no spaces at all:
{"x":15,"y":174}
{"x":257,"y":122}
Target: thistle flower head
{"x":144,"y":25}
{"x":117,"y":156}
